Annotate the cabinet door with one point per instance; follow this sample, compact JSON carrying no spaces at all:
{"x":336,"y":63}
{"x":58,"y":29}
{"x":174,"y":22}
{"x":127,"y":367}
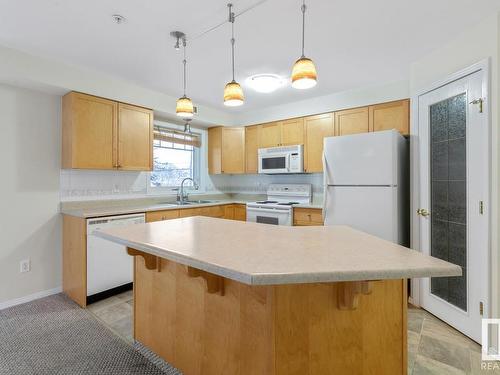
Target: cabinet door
{"x":307,"y":216}
{"x":351,"y":121}
{"x":229,"y":212}
{"x":135,"y":138}
{"x":292,"y":132}
{"x":270,"y":135}
{"x":233,"y":150}
{"x":89,"y":129}
{"x":240,"y":212}
{"x":251,"y":148}
{"x":316,"y":128}
{"x":393,"y":115}
{"x":215,"y":150}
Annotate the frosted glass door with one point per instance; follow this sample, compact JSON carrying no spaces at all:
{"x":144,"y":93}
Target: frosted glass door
{"x":449,"y":195}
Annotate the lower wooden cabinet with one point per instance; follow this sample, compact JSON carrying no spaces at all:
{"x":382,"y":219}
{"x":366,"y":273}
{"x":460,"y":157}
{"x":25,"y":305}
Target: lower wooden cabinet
{"x":235,"y":212}
{"x":226,"y":211}
{"x":161,"y":215}
{"x":307,"y":216}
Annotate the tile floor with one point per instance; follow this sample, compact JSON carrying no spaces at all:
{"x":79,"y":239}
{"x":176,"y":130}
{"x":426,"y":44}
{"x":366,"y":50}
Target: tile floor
{"x":434,"y":348}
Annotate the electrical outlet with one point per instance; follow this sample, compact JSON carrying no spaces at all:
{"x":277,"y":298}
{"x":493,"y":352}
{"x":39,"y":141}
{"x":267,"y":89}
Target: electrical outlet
{"x":25,"y":265}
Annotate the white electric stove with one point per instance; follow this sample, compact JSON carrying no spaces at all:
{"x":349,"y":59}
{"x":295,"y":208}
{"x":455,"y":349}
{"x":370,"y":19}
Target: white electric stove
{"x":277,"y":209}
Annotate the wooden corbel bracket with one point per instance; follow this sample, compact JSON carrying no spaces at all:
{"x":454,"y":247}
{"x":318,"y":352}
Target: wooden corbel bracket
{"x":215,"y":283}
{"x":152,"y":262}
{"x":348,"y":293}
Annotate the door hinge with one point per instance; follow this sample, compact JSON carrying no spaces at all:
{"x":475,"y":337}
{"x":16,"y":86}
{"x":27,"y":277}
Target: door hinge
{"x":481,"y":308}
{"x":481,"y":207}
{"x":480,"y":102}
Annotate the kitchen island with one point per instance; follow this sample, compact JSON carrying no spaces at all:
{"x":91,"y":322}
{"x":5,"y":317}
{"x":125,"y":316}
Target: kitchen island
{"x":214,"y":296}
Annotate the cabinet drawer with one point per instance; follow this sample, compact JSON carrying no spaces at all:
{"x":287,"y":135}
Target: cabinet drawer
{"x":161,"y":215}
{"x":307,"y":216}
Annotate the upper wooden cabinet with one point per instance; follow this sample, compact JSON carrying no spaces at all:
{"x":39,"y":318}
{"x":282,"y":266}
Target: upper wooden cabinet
{"x":316,"y":129}
{"x":292,"y":132}
{"x":226,"y":150}
{"x":251,"y":149}
{"x":392,"y":115}
{"x":351,"y":121}
{"x":103,"y":134}
{"x":135,"y":138}
{"x":89,"y":132}
{"x":282,"y":133}
{"x":270,"y":135}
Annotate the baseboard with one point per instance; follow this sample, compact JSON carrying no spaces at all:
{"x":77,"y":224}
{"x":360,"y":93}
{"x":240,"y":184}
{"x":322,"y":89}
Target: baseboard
{"x":29,"y":298}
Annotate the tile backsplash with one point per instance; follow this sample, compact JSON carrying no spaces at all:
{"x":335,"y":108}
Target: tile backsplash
{"x":81,"y":185}
{"x":92,"y":184}
{"x":258,"y":183}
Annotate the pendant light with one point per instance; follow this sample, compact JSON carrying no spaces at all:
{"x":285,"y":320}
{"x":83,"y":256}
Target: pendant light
{"x":233,"y":93}
{"x":304,"y":74}
{"x":184,"y":107}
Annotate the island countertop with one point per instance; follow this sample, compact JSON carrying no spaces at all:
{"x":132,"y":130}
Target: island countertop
{"x":260,"y":254}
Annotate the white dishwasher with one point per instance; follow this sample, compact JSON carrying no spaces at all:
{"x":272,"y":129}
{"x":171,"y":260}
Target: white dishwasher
{"x":108,"y":264}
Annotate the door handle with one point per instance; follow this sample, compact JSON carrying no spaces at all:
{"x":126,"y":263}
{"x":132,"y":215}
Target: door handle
{"x":423,"y":212}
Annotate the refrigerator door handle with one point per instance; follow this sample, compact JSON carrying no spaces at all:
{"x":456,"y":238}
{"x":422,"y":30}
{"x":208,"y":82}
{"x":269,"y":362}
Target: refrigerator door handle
{"x":325,"y":186}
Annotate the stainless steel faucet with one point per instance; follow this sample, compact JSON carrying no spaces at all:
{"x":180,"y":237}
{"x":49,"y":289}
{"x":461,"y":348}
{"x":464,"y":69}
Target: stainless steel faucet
{"x":181,"y":197}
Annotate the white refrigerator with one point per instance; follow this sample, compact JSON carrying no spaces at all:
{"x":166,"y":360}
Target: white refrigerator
{"x":366,"y":184}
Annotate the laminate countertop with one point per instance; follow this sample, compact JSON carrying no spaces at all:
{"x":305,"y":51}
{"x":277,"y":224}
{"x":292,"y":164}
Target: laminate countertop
{"x":260,"y":254}
{"x":134,"y":208}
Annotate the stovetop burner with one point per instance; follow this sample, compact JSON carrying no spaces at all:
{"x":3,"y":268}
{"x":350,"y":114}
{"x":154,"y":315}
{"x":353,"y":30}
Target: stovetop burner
{"x":287,"y":203}
{"x":267,"y":202}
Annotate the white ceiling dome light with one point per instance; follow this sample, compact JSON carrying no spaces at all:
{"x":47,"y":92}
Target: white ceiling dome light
{"x":265,"y":83}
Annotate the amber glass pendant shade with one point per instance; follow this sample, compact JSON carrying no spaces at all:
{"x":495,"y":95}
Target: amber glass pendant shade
{"x":184,"y":107}
{"x":233,"y":94}
{"x":304,"y":75}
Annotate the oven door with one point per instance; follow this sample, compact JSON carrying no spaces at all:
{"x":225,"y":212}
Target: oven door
{"x":279,"y":163}
{"x":269,"y":216}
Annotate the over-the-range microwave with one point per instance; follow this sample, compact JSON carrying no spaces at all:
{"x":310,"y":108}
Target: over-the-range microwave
{"x":279,"y":160}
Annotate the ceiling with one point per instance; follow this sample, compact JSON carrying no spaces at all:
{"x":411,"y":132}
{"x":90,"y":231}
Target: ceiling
{"x":354,"y":43}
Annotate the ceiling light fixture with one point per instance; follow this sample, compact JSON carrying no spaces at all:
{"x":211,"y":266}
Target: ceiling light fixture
{"x":304,"y":74}
{"x":265,"y":83}
{"x":184,"y":107}
{"x":233,"y":93}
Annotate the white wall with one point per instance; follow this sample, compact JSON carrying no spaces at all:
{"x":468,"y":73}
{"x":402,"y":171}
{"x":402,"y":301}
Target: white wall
{"x":30,"y":226}
{"x":473,"y":45}
{"x":22,"y":69}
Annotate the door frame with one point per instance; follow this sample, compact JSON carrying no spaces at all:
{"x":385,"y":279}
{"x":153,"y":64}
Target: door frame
{"x":482,"y":66}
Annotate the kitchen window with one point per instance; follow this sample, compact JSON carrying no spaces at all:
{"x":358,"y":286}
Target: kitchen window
{"x":175,"y":156}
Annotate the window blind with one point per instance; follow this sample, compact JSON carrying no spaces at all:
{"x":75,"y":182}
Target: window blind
{"x":176,"y":136}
